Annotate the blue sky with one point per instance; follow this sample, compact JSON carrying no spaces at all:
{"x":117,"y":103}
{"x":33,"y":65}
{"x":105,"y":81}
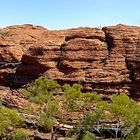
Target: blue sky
{"x":60,"y":14}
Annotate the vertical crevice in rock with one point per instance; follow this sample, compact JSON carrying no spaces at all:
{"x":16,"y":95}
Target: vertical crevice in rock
{"x":108,"y":40}
{"x":60,"y":57}
{"x":134,"y":85}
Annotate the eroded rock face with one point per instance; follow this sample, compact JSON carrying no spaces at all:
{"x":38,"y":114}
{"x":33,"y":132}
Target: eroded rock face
{"x":106,"y":61}
{"x":125,"y":41}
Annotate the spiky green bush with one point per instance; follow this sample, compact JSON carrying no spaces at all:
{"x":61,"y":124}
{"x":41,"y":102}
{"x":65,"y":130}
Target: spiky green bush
{"x":72,"y":95}
{"x":42,"y":90}
{"x":9,"y":117}
{"x":47,"y":118}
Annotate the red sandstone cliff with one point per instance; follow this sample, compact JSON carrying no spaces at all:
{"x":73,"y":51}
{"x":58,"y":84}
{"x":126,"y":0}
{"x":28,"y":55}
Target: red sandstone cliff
{"x":104,"y":60}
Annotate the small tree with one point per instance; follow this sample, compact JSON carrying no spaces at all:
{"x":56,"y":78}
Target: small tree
{"x":90,"y":99}
{"x":42,"y":90}
{"x":125,"y":112}
{"x":93,"y":119}
{"x":47,"y":118}
{"x":72,"y":95}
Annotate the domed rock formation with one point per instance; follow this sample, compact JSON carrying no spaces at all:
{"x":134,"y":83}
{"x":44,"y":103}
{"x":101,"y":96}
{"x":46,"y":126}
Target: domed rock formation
{"x":104,"y":60}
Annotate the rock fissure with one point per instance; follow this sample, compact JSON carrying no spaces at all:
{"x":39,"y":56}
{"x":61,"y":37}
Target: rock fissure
{"x":108,"y":41}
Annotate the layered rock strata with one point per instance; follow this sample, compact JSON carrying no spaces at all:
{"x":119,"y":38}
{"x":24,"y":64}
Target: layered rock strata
{"x":104,"y":60}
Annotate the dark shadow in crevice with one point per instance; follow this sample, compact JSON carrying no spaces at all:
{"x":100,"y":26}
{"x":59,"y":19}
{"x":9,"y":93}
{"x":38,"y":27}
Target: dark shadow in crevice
{"x":108,"y":41}
{"x":129,"y":66}
{"x":134,"y":85}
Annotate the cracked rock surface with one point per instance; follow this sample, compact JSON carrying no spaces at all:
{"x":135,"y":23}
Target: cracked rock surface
{"x":104,"y":60}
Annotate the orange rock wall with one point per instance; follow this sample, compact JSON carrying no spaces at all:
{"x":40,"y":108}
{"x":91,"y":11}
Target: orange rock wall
{"x":104,"y":60}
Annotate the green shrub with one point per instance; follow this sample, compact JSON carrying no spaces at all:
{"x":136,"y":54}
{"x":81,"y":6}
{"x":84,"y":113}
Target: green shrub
{"x":46,"y":122}
{"x":72,"y":96}
{"x":102,"y":107}
{"x":89,"y":120}
{"x":71,"y":93}
{"x":124,"y":109}
{"x":76,"y":100}
{"x":77,"y":87}
{"x":41,"y":98}
{"x":8,"y":118}
{"x":86,"y":136}
{"x":42,"y":90}
{"x":90,"y":97}
{"x":18,"y":135}
{"x":134,"y":135}
{"x":52,"y":109}
{"x":47,"y":118}
{"x":74,"y":105}
{"x":47,"y":84}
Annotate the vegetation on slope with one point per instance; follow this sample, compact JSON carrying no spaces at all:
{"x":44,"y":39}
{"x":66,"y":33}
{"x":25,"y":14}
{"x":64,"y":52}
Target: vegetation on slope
{"x":86,"y":115}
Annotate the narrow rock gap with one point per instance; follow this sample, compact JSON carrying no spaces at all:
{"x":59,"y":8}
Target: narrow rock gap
{"x":132,"y":77}
{"x":108,"y":41}
{"x":60,"y":57}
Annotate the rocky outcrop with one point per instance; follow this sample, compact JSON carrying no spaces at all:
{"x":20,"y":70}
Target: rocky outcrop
{"x":104,"y":60}
{"x":125,"y":41}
